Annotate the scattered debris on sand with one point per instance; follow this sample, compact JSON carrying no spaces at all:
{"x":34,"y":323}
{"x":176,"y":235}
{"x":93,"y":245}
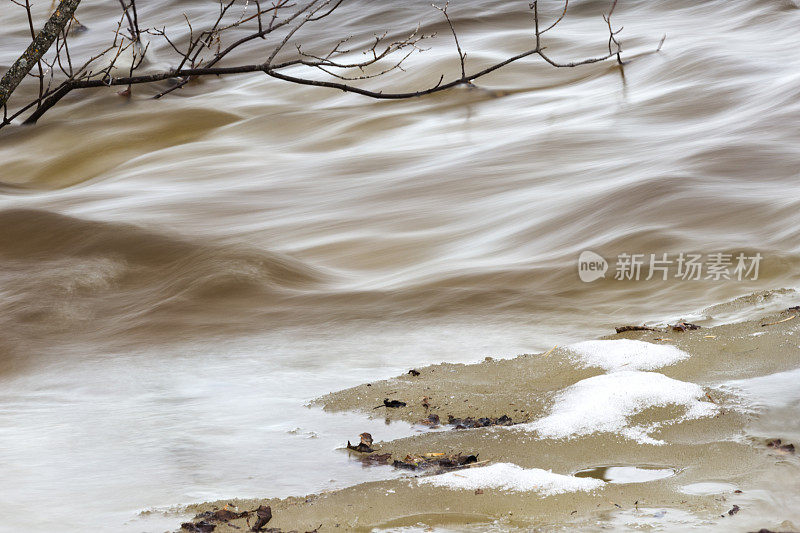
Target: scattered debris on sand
{"x":679,"y":326}
{"x":433,"y":421}
{"x":375,"y":459}
{"x":483,"y":422}
{"x":207,"y":521}
{"x":683,"y":326}
{"x":221,"y":515}
{"x":365,"y":446}
{"x":623,"y":329}
{"x":437,"y":461}
{"x":198,"y":527}
{"x":779,"y":447}
{"x":447,"y":397}
{"x":430,"y":420}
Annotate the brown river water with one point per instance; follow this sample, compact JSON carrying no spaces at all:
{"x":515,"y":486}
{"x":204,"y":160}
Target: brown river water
{"x":179,"y":277}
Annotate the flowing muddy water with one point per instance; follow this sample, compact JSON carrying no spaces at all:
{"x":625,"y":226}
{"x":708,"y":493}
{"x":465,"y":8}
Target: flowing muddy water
{"x":180,"y":276}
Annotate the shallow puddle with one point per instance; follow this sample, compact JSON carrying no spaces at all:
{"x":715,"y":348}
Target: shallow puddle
{"x":627,"y":474}
{"x":707,"y":488}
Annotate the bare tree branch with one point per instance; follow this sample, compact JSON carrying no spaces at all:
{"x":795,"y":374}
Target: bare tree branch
{"x":274,"y":27}
{"x":40,"y":45}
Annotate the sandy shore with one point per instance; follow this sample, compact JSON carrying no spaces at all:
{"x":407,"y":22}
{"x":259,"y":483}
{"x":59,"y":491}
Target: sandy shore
{"x":714,"y":448}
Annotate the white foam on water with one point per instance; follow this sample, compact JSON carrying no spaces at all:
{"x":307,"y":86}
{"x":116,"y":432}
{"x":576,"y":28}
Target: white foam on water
{"x":605,"y":403}
{"x":625,"y":354}
{"x":513,"y":478}
{"x":773,"y":390}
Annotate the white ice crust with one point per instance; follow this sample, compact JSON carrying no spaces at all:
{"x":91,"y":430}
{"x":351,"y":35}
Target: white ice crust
{"x":512,"y":478}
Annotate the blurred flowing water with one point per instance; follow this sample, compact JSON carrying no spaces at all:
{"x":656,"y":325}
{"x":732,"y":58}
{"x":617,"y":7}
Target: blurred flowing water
{"x":180,"y":276}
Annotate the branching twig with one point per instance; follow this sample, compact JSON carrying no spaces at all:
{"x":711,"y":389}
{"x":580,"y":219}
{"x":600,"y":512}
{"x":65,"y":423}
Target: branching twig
{"x":275,"y":25}
{"x":462,"y":57}
{"x":614,"y":46}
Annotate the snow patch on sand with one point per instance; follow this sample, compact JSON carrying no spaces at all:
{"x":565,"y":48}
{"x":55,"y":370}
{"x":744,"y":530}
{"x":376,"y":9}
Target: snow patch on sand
{"x":625,"y":354}
{"x":604,"y":403}
{"x":513,"y":478}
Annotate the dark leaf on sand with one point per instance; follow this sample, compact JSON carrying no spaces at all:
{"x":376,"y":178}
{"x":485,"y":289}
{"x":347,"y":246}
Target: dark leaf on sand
{"x":778,"y":446}
{"x":365,"y":446}
{"x":623,"y":329}
{"x":392,"y":403}
{"x":734,"y":510}
{"x":431,"y":420}
{"x":414,"y":372}
{"x":264,"y":515}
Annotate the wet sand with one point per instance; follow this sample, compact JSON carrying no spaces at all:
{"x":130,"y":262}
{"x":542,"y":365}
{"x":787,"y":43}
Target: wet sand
{"x":181,"y":275}
{"x":717,"y":448}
